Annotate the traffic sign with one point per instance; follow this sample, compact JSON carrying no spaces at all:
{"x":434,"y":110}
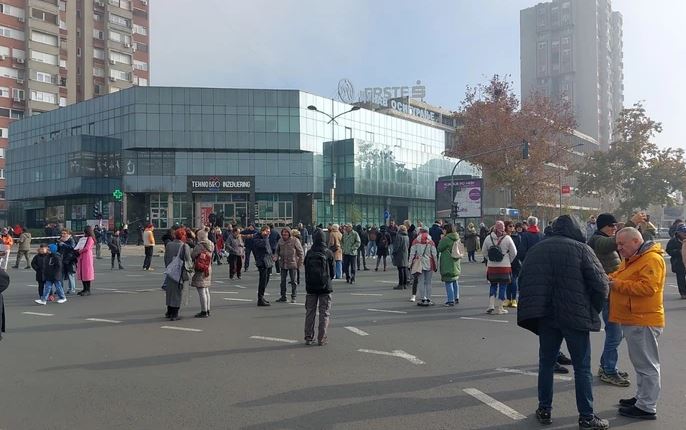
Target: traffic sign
{"x":386,"y":214}
{"x":117,"y":194}
{"x":566,"y":190}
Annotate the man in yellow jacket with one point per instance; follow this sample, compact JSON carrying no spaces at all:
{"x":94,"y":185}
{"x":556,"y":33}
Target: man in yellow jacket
{"x":636,"y":290}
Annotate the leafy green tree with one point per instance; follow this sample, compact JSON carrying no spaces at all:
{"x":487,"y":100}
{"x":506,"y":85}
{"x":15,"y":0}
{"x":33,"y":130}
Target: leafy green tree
{"x":634,"y":171}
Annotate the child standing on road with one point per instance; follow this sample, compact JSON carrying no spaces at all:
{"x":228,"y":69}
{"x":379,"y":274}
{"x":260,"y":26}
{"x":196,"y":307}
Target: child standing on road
{"x":52,"y":273}
{"x":319,"y":271}
{"x":115,"y":249}
{"x":38,"y":263}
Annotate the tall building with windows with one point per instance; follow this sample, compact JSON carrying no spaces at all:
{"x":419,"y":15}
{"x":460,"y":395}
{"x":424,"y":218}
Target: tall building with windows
{"x":573,"y":49}
{"x":58,"y":52}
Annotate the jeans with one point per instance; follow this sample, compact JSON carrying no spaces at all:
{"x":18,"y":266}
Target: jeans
{"x":511,"y":290}
{"x":284,"y":274}
{"x":312,"y":302}
{"x":71,"y":278}
{"x":613,"y":337}
{"x":349,"y":267}
{"x":248,"y":251}
{"x":361,"y":256}
{"x":425,"y":288}
{"x":47,"y":289}
{"x":402,"y":276}
{"x":579,"y":346}
{"x":339,"y":269}
{"x":148,"y":257}
{"x":263,"y":281}
{"x":371,"y":248}
{"x":471,"y":255}
{"x":452,"y":289}
{"x":497,"y":290}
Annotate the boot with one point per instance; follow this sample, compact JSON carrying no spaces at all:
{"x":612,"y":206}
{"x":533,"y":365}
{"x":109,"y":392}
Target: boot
{"x":491,"y":305}
{"x":398,"y":287}
{"x":201,"y":314}
{"x":175,"y":314}
{"x":169,"y":312}
{"x":501,"y":310}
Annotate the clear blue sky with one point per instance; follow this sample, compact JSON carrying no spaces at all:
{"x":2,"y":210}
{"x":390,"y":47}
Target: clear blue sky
{"x":447,"y":44}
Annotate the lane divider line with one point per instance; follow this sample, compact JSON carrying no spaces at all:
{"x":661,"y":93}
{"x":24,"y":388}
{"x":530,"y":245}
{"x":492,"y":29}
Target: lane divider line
{"x":38,"y":314}
{"x":357,"y":331}
{"x":103,"y":320}
{"x":366,"y":294}
{"x":493,"y":403}
{"x":237,"y":300}
{"x":274,"y":339}
{"x":529,"y":373}
{"x":384,"y":310}
{"x":169,"y":327}
{"x":399,"y":353}
{"x":223,"y":292}
{"x":483,"y":319}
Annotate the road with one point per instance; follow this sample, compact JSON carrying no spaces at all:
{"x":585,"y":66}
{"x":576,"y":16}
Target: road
{"x":111,"y":361}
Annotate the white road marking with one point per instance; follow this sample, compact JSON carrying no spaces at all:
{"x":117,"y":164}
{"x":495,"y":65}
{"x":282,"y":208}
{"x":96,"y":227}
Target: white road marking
{"x":31,"y":285}
{"x":219,"y":282}
{"x":223,"y":292}
{"x":124,"y":292}
{"x":38,"y":314}
{"x":169,"y":327}
{"x":237,"y":300}
{"x":498,"y":406}
{"x":357,"y":331}
{"x":135,"y":276}
{"x":274,"y":339}
{"x":483,"y":319}
{"x":296,"y":303}
{"x":528,"y":373}
{"x":395,"y":353}
{"x":387,"y":282}
{"x":366,"y":294}
{"x":239,"y":286}
{"x":107,"y":289}
{"x":148,"y":290}
{"x":102,"y":320}
{"x":390,"y":312}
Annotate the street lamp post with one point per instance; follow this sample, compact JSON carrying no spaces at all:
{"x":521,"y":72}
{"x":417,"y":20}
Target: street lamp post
{"x":560,"y":173}
{"x":332,"y":121}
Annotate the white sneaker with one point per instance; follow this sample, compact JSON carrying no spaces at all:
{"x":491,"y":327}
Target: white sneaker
{"x":413,"y":298}
{"x":60,"y":301}
{"x":490,"y":310}
{"x":41,"y":302}
{"x":502,"y":311}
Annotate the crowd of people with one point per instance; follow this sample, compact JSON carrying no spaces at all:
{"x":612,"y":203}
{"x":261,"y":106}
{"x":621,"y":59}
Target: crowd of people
{"x":564,"y":281}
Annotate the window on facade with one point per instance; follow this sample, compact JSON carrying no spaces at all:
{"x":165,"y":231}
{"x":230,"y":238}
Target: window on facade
{"x":555,"y":16}
{"x":118,"y":57}
{"x":4,"y":92}
{"x":120,"y":75}
{"x":63,"y":63}
{"x":11,"y":33}
{"x":120,"y":20}
{"x":541,"y":16}
{"x":16,"y":114}
{"x":99,"y":53}
{"x":142,"y":47}
{"x":140,"y":65}
{"x":124,"y":4}
{"x":99,"y":71}
{"x":18,"y":53}
{"x":142,"y":82}
{"x":40,"y":37}
{"x":4,"y":132}
{"x":44,"y":58}
{"x":2,"y":173}
{"x":555,"y":56}
{"x":98,"y":34}
{"x":139,"y":29}
{"x":44,"y":16}
{"x":2,"y":152}
{"x":12,"y":10}
{"x":44,"y":77}
{"x":566,"y":54}
{"x":348,"y":133}
{"x":63,"y":101}
{"x":18,"y":94}
{"x":42,"y":96}
{"x":4,"y":112}
{"x":8,"y":72}
{"x":566,"y":13}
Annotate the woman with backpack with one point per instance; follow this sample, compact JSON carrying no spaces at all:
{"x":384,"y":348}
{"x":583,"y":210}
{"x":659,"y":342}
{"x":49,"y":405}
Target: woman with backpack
{"x":499,"y":251}
{"x":423,"y":258}
{"x":202,"y":278}
{"x":449,"y":263}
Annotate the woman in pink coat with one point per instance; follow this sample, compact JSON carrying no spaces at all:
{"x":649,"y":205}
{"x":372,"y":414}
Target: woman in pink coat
{"x":84,"y":265}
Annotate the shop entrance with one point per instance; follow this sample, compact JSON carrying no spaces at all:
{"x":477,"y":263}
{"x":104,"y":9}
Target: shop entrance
{"x":233,"y":208}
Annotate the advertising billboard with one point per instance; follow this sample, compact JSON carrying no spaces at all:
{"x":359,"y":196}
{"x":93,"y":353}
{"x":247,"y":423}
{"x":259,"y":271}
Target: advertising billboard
{"x":467,"y":198}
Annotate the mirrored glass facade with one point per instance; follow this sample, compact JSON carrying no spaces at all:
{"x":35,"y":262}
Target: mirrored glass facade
{"x":165,"y":135}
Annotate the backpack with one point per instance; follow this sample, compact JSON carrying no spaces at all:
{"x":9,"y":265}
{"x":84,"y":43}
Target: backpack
{"x":495,"y":254}
{"x":317,"y":268}
{"x":203,"y":262}
{"x":456,"y":250}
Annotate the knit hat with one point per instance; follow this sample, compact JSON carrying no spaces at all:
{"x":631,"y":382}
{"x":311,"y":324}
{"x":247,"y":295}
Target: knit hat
{"x":604,"y":220}
{"x":499,"y":228}
{"x":53,"y":248}
{"x":681,"y":228}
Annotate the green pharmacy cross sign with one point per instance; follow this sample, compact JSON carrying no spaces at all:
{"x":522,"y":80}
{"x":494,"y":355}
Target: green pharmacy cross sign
{"x":117,"y":194}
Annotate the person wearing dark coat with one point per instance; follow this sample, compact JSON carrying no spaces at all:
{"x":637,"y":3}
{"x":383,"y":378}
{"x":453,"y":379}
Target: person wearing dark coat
{"x":436,"y":232}
{"x":115,"y":249}
{"x":318,"y":278}
{"x":52,"y":274}
{"x":38,"y":265}
{"x":383,"y":241}
{"x":264,"y":262}
{"x":674,"y":247}
{"x":562,"y":289}
{"x":528,"y":238}
{"x":401,"y":251}
{"x":248,"y":236}
{"x":274,"y":237}
{"x":362,"y":250}
{"x":65,"y":246}
{"x":4,"y":284}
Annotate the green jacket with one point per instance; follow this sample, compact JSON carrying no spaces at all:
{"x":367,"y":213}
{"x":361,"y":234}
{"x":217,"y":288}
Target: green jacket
{"x":350,"y":243}
{"x":605,"y":249}
{"x":449,"y":267}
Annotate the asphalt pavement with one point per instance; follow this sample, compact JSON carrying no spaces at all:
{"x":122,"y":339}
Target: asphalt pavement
{"x":111,"y":361}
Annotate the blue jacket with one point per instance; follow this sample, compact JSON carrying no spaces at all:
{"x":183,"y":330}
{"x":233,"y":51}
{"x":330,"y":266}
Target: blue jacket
{"x":435,"y":232}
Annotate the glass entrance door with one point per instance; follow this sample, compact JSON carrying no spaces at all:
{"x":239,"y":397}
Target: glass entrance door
{"x":234,"y":212}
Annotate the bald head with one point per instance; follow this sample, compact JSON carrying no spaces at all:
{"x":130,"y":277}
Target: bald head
{"x":629,"y":240}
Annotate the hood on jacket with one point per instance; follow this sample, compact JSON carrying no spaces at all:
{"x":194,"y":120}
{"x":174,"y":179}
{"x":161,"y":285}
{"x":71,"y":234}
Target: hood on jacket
{"x":567,"y":226}
{"x":318,"y":237}
{"x":648,"y":246}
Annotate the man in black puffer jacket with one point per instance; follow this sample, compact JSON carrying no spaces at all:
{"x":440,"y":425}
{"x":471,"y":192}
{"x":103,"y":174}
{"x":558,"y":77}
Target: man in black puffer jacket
{"x":562,"y":288}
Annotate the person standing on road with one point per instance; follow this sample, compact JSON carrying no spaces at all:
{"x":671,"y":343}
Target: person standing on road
{"x":248,"y":236}
{"x":289,"y":253}
{"x":424,"y":250}
{"x":383,"y":241}
{"x":676,"y":248}
{"x":263,"y":261}
{"x":334,"y":243}
{"x":274,"y":238}
{"x":401,"y":252}
{"x":604,"y":245}
{"x":38,"y":265}
{"x":7,"y":243}
{"x":52,"y":275}
{"x":450,"y":266}
{"x":84,"y":264}
{"x":471,"y":242}
{"x":115,"y":249}
{"x":304,"y":236}
{"x":436,"y":231}
{"x":350,"y":243}
{"x":98,"y":232}
{"x":236,"y":249}
{"x":319,"y":271}
{"x":511,"y":289}
{"x":499,"y":250}
{"x":672,"y":229}
{"x":371,"y":246}
{"x":562,"y":288}
{"x":65,"y":246}
{"x":149,"y":244}
{"x":636,"y":302}
{"x":362,"y":250}
{"x":174,"y":287}
{"x":4,"y":284}
{"x":202,"y":276}
{"x":24,"y":248}
{"x":528,"y":238}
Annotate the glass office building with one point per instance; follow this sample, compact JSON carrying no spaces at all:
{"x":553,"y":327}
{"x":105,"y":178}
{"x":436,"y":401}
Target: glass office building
{"x":180,"y":154}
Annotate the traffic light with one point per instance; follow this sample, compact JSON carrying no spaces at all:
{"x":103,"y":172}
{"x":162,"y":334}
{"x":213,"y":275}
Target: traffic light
{"x":96,"y":211}
{"x":525,"y":150}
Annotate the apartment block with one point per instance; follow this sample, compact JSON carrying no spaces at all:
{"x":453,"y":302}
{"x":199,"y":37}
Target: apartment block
{"x":572,"y":49}
{"x":58,"y":52}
